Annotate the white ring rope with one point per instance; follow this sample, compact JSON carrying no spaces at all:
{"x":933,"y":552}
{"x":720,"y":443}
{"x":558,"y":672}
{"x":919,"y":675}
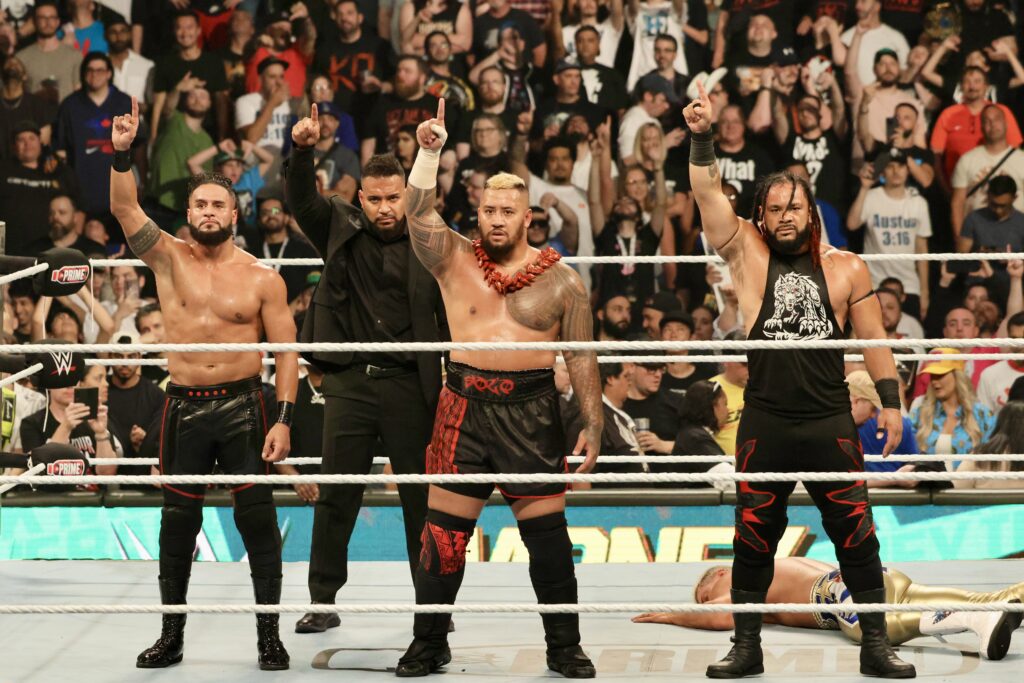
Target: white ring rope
{"x":24,"y":272}
{"x":436,"y":347}
{"x":606,"y":477}
{"x":655,"y":459}
{"x":21,"y":374}
{"x":521,"y":608}
{"x":955,"y":256}
{"x":23,"y":478}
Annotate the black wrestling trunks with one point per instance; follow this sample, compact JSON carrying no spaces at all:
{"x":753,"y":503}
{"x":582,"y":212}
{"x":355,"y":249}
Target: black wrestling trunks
{"x":498,"y":422}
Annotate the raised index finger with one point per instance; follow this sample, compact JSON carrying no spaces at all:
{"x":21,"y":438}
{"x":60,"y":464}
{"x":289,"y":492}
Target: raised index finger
{"x":135,"y":108}
{"x":313,"y":113}
{"x":702,"y":95}
{"x":440,"y":110}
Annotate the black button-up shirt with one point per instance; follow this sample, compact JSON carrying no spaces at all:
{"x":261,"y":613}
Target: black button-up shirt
{"x":378,"y":280}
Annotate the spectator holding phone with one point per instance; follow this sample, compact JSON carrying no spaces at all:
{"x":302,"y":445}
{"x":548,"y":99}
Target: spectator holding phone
{"x":77,"y":416}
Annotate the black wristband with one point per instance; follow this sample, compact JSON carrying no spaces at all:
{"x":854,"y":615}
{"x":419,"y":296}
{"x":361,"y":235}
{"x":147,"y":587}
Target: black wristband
{"x":889,"y":393}
{"x":122,"y":161}
{"x":284,"y":412}
{"x":702,"y":149}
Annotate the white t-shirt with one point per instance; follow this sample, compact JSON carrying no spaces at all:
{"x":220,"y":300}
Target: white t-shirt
{"x":575,"y":198}
{"x":652,"y":19}
{"x":973,"y":166}
{"x":909,"y":327}
{"x":581,"y":171}
{"x":609,"y":44}
{"x":892,"y":227}
{"x":135,"y":76}
{"x":634,"y":119}
{"x":247,"y":108}
{"x":873,"y":41}
{"x":995,"y":382}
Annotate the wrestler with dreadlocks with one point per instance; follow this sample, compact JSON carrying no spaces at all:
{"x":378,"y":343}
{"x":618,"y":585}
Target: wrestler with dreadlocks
{"x":797,"y":412}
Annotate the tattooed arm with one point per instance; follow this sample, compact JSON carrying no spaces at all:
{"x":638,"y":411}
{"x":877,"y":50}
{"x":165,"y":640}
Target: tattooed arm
{"x":577,"y":325}
{"x":432,"y":240}
{"x":148,"y":241}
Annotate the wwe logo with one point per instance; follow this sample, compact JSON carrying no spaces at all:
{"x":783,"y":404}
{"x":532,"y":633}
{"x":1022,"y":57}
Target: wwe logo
{"x":63,"y":361}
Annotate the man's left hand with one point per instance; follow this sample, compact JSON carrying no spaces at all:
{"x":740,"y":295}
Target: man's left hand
{"x":278,"y":443}
{"x":590,"y":439}
{"x":891,"y":422}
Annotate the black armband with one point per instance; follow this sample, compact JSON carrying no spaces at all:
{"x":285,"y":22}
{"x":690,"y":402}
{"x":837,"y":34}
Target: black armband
{"x":702,"y":149}
{"x":122,"y":160}
{"x":284,"y":412}
{"x":889,"y":393}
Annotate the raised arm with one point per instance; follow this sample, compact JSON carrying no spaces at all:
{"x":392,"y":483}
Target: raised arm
{"x":720,"y":221}
{"x":146,"y":240}
{"x":312,"y":211}
{"x":577,"y":325}
{"x":432,"y":240}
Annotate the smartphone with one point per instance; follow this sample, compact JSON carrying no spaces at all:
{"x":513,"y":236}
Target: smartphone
{"x":89,"y":396}
{"x":963,"y":266}
{"x":891,"y":126}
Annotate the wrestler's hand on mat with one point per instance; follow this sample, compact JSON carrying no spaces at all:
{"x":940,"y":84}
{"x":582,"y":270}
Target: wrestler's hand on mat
{"x":657,"y":618}
{"x":697,"y":114}
{"x":431,"y":134}
{"x":278,"y":443}
{"x":891,"y":422}
{"x":306,"y":132}
{"x":591,"y":441}
{"x":124,"y":128}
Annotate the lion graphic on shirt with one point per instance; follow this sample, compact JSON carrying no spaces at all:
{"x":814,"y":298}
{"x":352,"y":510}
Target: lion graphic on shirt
{"x":799,"y":311}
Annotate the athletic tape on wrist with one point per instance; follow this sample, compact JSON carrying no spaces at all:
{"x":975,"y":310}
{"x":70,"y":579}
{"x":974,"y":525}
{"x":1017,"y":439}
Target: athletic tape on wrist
{"x":889,"y":393}
{"x":702,"y":149}
{"x":424,"y":171}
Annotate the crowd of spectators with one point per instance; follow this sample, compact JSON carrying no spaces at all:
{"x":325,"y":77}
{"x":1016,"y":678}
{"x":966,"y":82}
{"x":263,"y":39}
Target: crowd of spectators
{"x":900,"y":113}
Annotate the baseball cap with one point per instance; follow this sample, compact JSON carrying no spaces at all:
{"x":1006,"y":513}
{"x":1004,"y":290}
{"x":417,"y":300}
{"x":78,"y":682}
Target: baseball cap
{"x":1016,"y":390}
{"x":224,"y":157}
{"x":270,"y":61}
{"x":677,"y":316}
{"x":126,"y":337}
{"x":884,"y":158}
{"x":664,"y":302}
{"x":861,"y":386}
{"x":327,"y":108}
{"x":943,"y":367}
{"x":886,"y":51}
{"x":785,"y":56}
{"x":708,"y":80}
{"x":566,"y":65}
{"x":25,"y":126}
{"x":313,"y":278}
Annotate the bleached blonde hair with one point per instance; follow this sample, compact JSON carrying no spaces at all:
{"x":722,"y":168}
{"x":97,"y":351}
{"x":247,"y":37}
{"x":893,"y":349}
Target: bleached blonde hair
{"x":505,"y":181}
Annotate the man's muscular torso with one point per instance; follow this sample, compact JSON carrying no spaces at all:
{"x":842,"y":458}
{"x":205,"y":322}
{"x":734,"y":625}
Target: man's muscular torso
{"x":211,"y":302}
{"x":747,"y":256}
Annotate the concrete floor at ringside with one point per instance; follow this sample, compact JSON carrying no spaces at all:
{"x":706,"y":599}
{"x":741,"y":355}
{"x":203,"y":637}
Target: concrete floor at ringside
{"x":486,"y":647}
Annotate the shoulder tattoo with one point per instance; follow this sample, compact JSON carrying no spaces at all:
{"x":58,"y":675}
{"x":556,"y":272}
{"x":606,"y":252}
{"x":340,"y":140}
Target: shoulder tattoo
{"x":145,"y":239}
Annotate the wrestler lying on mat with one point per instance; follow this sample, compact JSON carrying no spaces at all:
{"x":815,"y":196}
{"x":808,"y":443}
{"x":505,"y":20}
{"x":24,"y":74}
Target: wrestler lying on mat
{"x":799,"y":579}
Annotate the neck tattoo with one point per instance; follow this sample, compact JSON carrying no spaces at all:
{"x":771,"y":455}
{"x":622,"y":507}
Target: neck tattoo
{"x":507,"y":284}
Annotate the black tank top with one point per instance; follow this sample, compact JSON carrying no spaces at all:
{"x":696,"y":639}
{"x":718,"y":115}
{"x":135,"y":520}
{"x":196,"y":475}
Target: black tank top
{"x":804,"y":383}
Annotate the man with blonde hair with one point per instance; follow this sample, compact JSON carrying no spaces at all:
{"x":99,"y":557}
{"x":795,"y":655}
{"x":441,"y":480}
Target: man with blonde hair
{"x":499,"y":411}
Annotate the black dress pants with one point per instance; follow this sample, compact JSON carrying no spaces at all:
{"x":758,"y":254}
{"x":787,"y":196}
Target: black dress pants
{"x":359,"y":412}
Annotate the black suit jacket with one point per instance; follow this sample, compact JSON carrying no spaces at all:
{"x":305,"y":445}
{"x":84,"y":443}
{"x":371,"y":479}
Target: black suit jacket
{"x":329,"y":225}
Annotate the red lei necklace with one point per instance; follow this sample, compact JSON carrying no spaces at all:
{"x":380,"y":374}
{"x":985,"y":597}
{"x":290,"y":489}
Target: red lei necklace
{"x":507,"y":284}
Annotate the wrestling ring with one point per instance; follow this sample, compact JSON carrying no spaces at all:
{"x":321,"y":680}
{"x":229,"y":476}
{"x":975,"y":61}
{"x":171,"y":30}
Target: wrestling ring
{"x":89,"y":618}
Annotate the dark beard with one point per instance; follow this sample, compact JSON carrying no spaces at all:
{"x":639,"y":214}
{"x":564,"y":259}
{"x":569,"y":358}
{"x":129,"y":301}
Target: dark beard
{"x":195,"y":114}
{"x":406,"y":92}
{"x":210,"y":239}
{"x":59,"y":232}
{"x":789,"y":247}
{"x":119,"y":47}
{"x":615,"y":331}
{"x":497,"y":252}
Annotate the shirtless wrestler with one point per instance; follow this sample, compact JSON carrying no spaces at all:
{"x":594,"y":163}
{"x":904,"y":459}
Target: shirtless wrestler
{"x":498,"y":412}
{"x":797,"y":414}
{"x":799,"y":579}
{"x":212,"y":292}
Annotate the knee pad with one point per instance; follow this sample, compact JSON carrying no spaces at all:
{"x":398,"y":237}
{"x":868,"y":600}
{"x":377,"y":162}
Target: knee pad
{"x":444,"y":541}
{"x":551,"y":565}
{"x":179,"y":526}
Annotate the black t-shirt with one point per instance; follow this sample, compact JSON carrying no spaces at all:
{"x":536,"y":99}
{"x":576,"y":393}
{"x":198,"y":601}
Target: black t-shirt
{"x":825,"y":164}
{"x":25,"y":195}
{"x":344,"y":64}
{"x":171,"y":68}
{"x":82,"y":244}
{"x":487,"y":32}
{"x":784,"y":13}
{"x":392,"y":112}
{"x":664,"y":420}
{"x":140,"y":405}
{"x":28,"y":107}
{"x":593,"y":113}
{"x":37,"y":428}
{"x":308,"y":425}
{"x":906,"y":16}
{"x":605,"y":87}
{"x":982,"y":27}
{"x":673,"y":389}
{"x":636,"y":281}
{"x":744,"y":168}
{"x":294,"y":247}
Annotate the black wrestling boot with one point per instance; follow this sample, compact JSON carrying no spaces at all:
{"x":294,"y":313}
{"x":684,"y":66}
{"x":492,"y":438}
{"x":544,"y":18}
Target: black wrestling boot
{"x":876,"y":654}
{"x":564,"y":655}
{"x":317,"y":623}
{"x":429,"y":650}
{"x":273,"y":656}
{"x":745,"y":658}
{"x":169,"y":647}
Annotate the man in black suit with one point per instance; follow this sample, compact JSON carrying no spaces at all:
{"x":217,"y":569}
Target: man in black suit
{"x":373,"y":289}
